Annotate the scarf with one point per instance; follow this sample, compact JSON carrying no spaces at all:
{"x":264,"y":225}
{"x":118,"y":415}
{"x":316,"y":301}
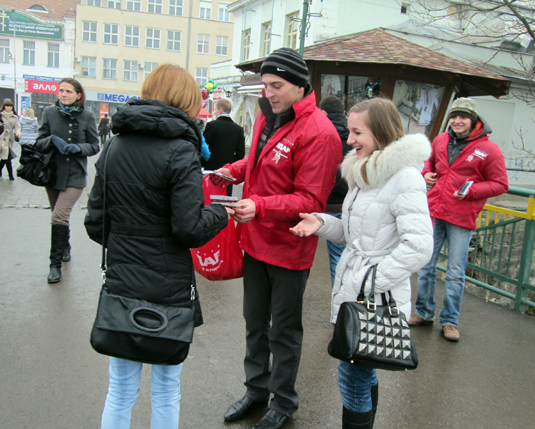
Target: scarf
{"x":69,"y":109}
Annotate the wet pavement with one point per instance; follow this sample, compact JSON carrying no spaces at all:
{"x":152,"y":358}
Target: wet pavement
{"x":52,"y":379}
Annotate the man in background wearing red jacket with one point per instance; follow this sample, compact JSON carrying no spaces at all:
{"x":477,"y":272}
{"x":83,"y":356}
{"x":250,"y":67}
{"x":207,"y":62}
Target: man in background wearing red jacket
{"x":462,"y":154}
{"x":291,"y":169}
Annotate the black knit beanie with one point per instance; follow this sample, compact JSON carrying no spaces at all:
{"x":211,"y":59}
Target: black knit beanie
{"x":288,"y":64}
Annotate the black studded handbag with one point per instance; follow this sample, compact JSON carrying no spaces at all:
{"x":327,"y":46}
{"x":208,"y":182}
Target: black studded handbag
{"x":372,"y":335}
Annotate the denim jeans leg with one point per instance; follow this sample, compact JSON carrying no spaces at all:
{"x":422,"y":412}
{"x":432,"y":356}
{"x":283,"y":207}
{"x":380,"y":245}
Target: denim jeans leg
{"x":165,"y":396}
{"x":427,"y":276}
{"x":458,"y":245}
{"x":355,"y":383}
{"x":335,"y":251}
{"x":122,"y":393}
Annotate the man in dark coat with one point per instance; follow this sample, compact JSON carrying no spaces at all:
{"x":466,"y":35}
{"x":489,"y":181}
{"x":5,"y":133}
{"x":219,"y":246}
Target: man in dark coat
{"x":104,"y":129}
{"x":225,"y":139}
{"x":334,"y":110}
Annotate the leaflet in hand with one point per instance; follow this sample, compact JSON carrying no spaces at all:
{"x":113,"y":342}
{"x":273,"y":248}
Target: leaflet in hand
{"x":224,"y":200}
{"x":224,"y":176}
{"x":464,"y":188}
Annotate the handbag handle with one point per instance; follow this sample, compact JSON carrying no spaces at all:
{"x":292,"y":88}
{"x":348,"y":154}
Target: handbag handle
{"x":387,"y":297}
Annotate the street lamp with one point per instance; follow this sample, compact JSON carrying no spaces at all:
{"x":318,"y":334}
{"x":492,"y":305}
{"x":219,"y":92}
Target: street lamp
{"x":12,"y":22}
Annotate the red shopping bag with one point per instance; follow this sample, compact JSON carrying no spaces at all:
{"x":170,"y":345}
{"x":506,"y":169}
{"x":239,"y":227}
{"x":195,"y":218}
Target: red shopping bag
{"x":221,"y":258}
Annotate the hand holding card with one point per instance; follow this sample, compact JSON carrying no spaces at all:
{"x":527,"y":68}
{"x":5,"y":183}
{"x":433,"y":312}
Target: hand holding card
{"x":463,"y":190}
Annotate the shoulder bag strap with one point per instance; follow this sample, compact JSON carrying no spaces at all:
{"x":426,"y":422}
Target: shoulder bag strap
{"x":104,"y":244}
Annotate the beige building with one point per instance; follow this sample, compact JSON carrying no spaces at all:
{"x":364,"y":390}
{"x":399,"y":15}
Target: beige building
{"x":119,"y":42}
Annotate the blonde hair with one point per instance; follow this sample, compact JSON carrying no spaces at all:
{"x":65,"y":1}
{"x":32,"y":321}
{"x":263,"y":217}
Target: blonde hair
{"x":224,"y":105}
{"x":382,"y":118}
{"x":174,"y":86}
{"x":29,"y":112}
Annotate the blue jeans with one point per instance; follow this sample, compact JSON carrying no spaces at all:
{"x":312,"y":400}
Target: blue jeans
{"x":335,"y":251}
{"x":124,"y":389}
{"x":355,"y":383}
{"x":458,"y":244}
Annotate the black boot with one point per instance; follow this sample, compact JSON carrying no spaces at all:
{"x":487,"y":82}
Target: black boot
{"x":375,"y":401}
{"x":57,"y":246}
{"x":67,"y":252}
{"x":351,"y":420}
{"x":10,"y":169}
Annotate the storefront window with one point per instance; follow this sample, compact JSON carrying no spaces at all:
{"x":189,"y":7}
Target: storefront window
{"x":417,"y":104}
{"x":350,"y":89}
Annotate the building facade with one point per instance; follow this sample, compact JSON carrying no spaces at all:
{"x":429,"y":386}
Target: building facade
{"x":119,"y":42}
{"x":36,"y":51}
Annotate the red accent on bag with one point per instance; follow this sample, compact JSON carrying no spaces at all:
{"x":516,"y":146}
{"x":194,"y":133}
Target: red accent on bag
{"x":221,"y":258}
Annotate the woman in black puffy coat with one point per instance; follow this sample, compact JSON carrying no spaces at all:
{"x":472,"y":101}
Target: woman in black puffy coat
{"x":155,"y":204}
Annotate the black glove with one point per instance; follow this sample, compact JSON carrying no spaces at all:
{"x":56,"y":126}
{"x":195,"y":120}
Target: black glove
{"x":65,"y":148}
{"x":72,"y":149}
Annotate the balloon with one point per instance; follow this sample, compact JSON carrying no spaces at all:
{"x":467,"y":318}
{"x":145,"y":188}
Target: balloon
{"x":205,"y":94}
{"x":210,"y":86}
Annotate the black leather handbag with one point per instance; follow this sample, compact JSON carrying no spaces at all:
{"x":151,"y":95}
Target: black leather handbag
{"x":136,"y":329}
{"x":37,"y":167}
{"x":372,"y":335}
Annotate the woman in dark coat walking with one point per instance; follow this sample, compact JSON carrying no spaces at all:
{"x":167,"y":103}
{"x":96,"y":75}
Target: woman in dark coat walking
{"x":155,"y":204}
{"x":71,"y":130}
{"x":104,"y":128}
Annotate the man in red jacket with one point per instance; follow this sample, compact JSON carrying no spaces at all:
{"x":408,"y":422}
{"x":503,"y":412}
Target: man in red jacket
{"x":291,"y":169}
{"x":463,"y":155}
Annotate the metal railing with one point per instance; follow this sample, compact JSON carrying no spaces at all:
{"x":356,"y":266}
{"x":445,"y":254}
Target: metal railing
{"x":503,"y":246}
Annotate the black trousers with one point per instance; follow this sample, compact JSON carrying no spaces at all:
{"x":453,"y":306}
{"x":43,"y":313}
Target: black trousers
{"x":273,"y":309}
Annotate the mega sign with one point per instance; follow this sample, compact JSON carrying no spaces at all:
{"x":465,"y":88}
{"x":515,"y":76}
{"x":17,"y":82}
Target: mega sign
{"x":41,"y":86}
{"x":115,"y":98}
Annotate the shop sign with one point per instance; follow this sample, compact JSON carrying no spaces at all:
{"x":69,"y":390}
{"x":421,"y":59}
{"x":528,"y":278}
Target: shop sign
{"x":103,"y":110}
{"x":42,"y":78}
{"x":19,"y":25}
{"x":41,"y":86}
{"x":115,"y":98}
{"x":217,"y":95}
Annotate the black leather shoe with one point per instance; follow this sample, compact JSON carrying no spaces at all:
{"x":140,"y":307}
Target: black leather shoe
{"x":272,"y":420}
{"x":239,"y":409}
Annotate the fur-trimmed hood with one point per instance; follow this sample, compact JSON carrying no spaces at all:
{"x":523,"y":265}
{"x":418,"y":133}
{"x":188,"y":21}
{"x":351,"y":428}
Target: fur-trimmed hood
{"x":410,"y":150}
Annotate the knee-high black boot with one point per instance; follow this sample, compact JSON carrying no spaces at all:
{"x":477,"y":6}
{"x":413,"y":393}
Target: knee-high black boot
{"x":351,"y":420}
{"x":9,"y":169}
{"x":57,"y":246}
{"x":375,"y":401}
{"x":67,"y":252}
{"x":2,"y":163}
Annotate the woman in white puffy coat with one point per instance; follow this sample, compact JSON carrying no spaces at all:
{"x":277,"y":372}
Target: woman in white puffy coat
{"x":385,"y":221}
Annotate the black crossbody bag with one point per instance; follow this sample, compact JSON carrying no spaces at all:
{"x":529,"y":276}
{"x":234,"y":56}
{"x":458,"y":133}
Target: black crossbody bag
{"x":136,"y":329}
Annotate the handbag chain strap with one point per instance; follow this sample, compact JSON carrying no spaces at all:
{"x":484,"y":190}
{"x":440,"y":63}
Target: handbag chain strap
{"x":387,"y":297}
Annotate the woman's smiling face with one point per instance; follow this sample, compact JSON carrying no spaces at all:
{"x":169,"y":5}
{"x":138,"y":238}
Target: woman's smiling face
{"x":360,"y":136}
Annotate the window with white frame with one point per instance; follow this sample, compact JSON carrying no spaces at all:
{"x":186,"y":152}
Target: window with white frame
{"x":109,"y":68}
{"x":89,"y":31}
{"x":130,"y":70}
{"x":114,"y":4}
{"x":154,"y":6}
{"x":111,"y":34}
{"x":221,"y":45}
{"x":89,"y":67}
{"x":4,"y":50}
{"x":148,"y":68}
{"x":28,"y":53}
{"x":224,"y":14}
{"x":292,"y":28}
{"x":173,"y":40}
{"x":53,"y":55}
{"x":96,"y":3}
{"x":246,"y":44}
{"x":201,"y":75}
{"x":266,"y":38}
{"x":205,"y":11}
{"x":131,"y":36}
{"x":203,"y":44}
{"x":152,"y":38}
{"x":133,"y":5}
{"x":175,"y":7}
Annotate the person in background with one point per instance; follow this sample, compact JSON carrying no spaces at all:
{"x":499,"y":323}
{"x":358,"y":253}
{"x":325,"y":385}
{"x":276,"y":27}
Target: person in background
{"x":9,"y":117}
{"x":385,"y":222}
{"x":70,"y":129}
{"x":334,"y":110}
{"x":205,"y":151}
{"x":156,"y":206}
{"x":29,"y":127}
{"x":225,"y":139}
{"x":291,"y":167}
{"x":464,"y":152}
{"x":104,"y":128}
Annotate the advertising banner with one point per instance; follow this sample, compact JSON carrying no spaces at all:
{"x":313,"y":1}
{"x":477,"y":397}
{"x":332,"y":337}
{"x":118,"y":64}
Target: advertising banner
{"x":19,"y":25}
{"x":41,"y":86}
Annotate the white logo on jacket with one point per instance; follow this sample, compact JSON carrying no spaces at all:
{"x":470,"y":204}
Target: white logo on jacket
{"x":480,"y":154}
{"x":280,"y":150}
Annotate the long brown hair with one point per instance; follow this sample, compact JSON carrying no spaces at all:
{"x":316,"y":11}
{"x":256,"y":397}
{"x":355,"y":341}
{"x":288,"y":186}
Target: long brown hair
{"x":8,"y":103}
{"x":174,"y":86}
{"x":384,"y":122}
